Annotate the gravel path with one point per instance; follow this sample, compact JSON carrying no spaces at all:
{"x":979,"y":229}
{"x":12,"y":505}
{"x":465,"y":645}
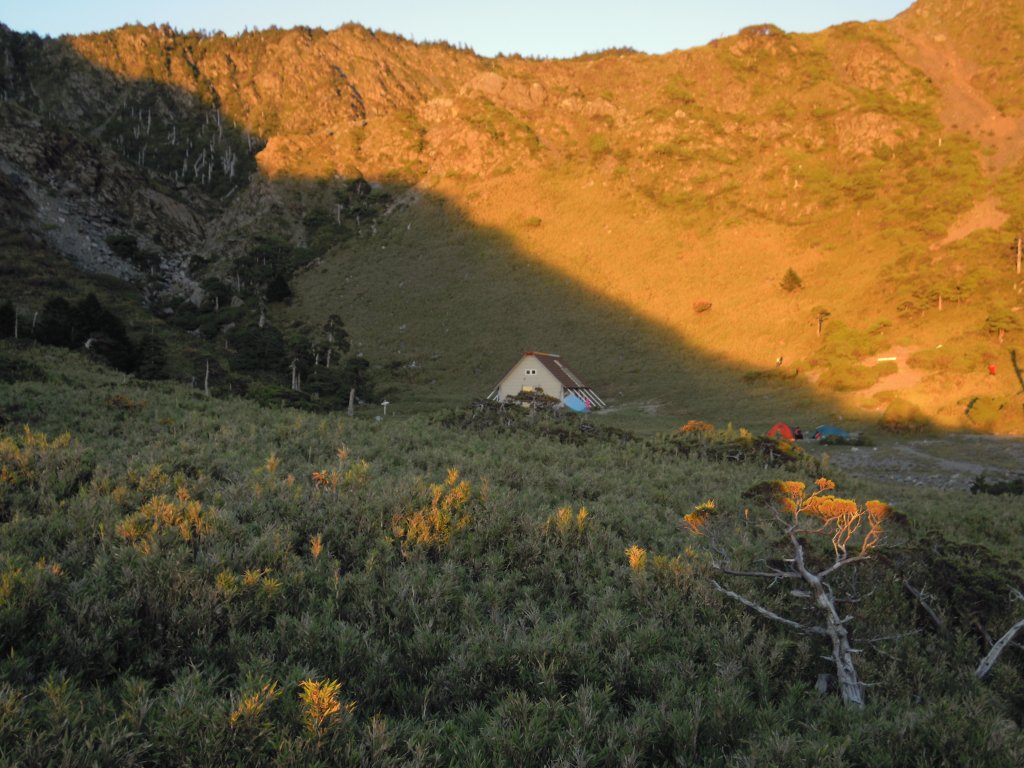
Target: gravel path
{"x":947,"y":462}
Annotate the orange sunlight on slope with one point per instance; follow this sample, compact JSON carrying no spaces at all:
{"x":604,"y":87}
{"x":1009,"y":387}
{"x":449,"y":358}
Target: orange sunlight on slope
{"x":638,"y":256}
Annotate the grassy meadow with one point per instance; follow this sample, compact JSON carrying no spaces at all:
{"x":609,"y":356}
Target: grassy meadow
{"x":196,"y":581}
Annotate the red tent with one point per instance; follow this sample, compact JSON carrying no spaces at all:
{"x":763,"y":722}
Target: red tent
{"x":782,"y":430}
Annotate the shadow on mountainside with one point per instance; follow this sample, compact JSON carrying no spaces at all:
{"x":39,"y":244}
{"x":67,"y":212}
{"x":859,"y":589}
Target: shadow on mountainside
{"x":447,"y":306}
{"x":440,"y":305}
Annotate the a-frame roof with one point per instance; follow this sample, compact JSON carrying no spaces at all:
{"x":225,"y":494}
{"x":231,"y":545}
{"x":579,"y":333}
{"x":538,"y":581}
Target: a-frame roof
{"x":565,"y":375}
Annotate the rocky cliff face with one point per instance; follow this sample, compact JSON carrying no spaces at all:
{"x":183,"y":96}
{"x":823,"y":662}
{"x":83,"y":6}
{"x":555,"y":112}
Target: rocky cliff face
{"x":154,"y":131}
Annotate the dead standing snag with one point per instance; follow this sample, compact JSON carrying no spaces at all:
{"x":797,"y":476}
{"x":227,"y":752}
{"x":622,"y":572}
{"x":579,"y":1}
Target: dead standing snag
{"x":854,"y":531}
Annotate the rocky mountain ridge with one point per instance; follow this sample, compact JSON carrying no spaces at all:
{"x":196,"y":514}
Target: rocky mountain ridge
{"x":880,"y":160}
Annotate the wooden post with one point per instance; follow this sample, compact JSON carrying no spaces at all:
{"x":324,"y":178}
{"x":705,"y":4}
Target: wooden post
{"x":206,"y":380}
{"x":352,"y":402}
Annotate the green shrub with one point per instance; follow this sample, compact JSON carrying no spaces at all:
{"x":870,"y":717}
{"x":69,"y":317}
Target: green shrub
{"x":903,"y":416}
{"x":885,"y":368}
{"x":842,"y":344}
{"x":959,"y":356}
{"x":791,"y":281}
{"x":848,"y":377}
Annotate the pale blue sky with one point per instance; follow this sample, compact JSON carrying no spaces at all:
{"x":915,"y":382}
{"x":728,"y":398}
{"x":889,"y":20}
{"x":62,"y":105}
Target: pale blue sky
{"x":547,"y":28}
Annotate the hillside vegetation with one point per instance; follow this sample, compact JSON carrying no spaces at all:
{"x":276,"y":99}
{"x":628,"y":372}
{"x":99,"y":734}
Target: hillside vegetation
{"x":454,"y":210}
{"x":203,"y":581}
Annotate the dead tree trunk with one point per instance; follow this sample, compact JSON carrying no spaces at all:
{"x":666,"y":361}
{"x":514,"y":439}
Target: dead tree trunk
{"x":842,"y":652}
{"x":1000,"y":645}
{"x":352,"y":402}
{"x":993,"y":656}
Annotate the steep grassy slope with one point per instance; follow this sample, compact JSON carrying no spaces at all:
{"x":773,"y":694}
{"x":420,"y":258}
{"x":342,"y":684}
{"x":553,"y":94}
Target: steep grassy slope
{"x":588,"y":206}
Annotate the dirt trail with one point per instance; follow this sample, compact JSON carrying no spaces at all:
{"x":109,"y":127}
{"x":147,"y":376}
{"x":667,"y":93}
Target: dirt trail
{"x":905,"y":378}
{"x":948,"y":462}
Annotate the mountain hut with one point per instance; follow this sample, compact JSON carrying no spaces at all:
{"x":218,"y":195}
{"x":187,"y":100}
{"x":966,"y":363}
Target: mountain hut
{"x":548,"y":374}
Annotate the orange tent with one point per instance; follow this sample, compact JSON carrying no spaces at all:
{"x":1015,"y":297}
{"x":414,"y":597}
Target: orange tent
{"x":782,"y":430}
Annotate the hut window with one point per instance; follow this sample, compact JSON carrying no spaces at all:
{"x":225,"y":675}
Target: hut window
{"x":531,"y":371}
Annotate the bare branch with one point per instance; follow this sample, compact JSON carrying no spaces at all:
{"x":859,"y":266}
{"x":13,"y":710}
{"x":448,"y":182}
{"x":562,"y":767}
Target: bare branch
{"x":767,"y":613}
{"x":919,"y":596}
{"x":840,"y":563}
{"x":759,"y":574}
{"x":993,"y":656}
{"x":887,"y":638}
{"x":857,"y":599}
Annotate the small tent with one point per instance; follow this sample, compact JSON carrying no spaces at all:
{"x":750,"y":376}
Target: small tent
{"x":827,"y":430}
{"x":574,"y":403}
{"x":783,"y":431}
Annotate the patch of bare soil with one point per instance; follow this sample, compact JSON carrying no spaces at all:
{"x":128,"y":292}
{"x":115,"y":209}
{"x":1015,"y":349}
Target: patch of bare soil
{"x":905,"y":378}
{"x":984,"y":215}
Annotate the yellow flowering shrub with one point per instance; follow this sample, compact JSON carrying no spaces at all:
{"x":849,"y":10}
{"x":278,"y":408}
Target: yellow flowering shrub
{"x":431,"y":526}
{"x":181,"y":514}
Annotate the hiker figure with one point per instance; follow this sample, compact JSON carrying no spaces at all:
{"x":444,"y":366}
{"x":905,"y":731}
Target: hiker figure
{"x":798,"y":434}
{"x":991,"y":369}
{"x":778,"y":362}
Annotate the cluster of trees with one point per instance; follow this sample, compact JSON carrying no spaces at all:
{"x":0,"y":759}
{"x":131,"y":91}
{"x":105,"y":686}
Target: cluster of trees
{"x":313,"y":358}
{"x":87,"y":324}
{"x":303,"y":365}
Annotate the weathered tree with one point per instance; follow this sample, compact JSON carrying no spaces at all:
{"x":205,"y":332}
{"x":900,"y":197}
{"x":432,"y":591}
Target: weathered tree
{"x":806,"y":522}
{"x":1000,"y":321}
{"x":335,"y":338}
{"x":820,"y":315}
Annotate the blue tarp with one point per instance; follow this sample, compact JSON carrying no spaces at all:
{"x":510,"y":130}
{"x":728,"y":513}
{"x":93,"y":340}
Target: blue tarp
{"x":827,"y":430}
{"x":573,"y":403}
